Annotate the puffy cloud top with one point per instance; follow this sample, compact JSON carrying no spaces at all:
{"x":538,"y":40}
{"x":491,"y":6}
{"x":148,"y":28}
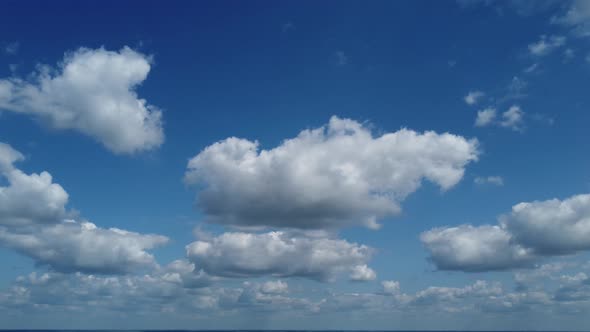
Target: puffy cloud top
{"x":330,"y":177}
{"x":93,"y":92}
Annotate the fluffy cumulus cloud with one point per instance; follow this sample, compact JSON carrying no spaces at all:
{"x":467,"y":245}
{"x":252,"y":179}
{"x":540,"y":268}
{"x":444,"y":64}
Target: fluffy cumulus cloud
{"x":279,"y":254}
{"x":92,"y":92}
{"x":470,"y":248}
{"x":330,"y":177}
{"x":35,"y":222}
{"x":551,"y":227}
{"x":532,"y":230}
{"x":546,"y":45}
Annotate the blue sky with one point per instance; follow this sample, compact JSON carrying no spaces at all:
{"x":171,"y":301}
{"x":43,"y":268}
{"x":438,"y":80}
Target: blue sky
{"x":294,"y":165}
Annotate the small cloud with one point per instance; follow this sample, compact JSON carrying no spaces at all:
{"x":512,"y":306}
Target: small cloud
{"x":568,"y":55}
{"x":286,"y":27}
{"x":451,"y":63}
{"x":532,"y":68}
{"x":473,"y":97}
{"x":12,"y":48}
{"x":513,"y":118}
{"x":546,"y":45}
{"x":493,"y":180}
{"x":515,"y":89}
{"x":485,"y":117}
{"x":341,"y":58}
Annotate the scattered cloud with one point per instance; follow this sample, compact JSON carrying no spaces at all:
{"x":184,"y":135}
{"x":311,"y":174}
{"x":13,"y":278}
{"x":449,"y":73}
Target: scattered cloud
{"x":494,"y":180}
{"x":485,"y":117}
{"x":577,"y":17}
{"x":568,"y":55}
{"x":532,"y":68}
{"x":474,"y":249}
{"x":11,"y":48}
{"x":34,"y":222}
{"x":279,"y":254}
{"x":473,"y":97}
{"x":92,"y":92}
{"x":532,"y":230}
{"x":341,"y":58}
{"x":286,"y":27}
{"x":546,"y":45}
{"x":334,"y":176}
{"x":513,"y":118}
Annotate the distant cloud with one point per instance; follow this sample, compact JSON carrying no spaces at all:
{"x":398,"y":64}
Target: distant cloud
{"x":494,"y":180}
{"x":577,"y":17}
{"x":286,"y":27}
{"x":34,"y":221}
{"x":568,"y":55}
{"x":485,"y":117}
{"x":330,"y":177}
{"x":92,"y":92}
{"x":530,"y":231}
{"x":513,"y":118}
{"x":532,"y":68}
{"x":473,"y":97}
{"x":362,"y":273}
{"x":390,"y":287}
{"x":279,"y":254}
{"x":341,"y":58}
{"x":11,"y":48}
{"x":546,"y":45}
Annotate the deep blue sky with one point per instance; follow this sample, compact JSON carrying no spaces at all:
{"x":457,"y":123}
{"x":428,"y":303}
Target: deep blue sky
{"x":266,"y":70}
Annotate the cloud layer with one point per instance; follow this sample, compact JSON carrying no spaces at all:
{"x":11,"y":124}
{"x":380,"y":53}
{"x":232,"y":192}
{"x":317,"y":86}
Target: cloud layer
{"x":92,"y":92}
{"x":330,"y":177}
{"x":278,"y":254}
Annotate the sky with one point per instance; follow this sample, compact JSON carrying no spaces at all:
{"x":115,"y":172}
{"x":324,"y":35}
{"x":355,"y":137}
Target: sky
{"x":295,"y":165}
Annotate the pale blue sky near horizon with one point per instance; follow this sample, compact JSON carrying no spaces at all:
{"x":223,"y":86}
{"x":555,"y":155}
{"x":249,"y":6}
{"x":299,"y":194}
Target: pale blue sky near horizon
{"x":265,"y":71}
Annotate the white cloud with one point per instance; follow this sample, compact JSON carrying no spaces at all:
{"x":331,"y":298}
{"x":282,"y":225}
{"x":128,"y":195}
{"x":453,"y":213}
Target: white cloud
{"x":278,"y":254}
{"x":92,"y":92}
{"x":485,"y":117}
{"x":532,"y":230}
{"x":546,"y":45}
{"x":473,"y":249}
{"x":362,"y":273}
{"x":495,"y":180}
{"x":334,"y":176}
{"x":473,"y":97}
{"x":34,"y":221}
{"x":275,"y":287}
{"x":513,"y":118}
{"x":551,"y":227}
{"x":81,"y":246}
{"x":390,"y":287}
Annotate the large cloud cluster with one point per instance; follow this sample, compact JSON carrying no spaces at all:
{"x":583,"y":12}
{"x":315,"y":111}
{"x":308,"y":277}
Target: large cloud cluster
{"x":34,"y":221}
{"x":330,"y":177}
{"x":93,"y":92}
{"x":530,"y":231}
